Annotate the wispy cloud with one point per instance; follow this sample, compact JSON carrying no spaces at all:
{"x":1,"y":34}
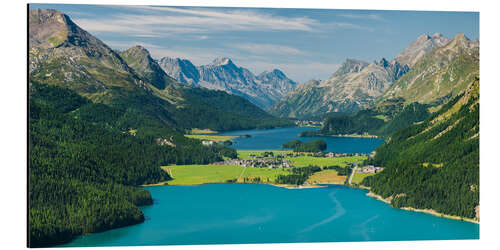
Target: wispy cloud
{"x":362,"y":16}
{"x":266,"y":49}
{"x":168,"y":21}
{"x":176,"y":20}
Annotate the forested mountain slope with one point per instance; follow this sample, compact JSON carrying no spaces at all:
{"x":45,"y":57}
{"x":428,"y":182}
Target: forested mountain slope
{"x":83,"y":167}
{"x":434,"y":164}
{"x":63,"y":54}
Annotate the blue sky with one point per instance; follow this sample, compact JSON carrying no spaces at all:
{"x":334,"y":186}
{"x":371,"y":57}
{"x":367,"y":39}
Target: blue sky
{"x":304,"y":43}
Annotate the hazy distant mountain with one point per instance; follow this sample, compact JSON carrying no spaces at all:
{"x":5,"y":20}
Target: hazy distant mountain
{"x":182,"y":70}
{"x":222,"y":74}
{"x":352,"y":87}
{"x":442,"y":72}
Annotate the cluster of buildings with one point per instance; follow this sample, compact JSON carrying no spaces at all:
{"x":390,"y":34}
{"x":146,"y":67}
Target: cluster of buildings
{"x":333,"y":154}
{"x":263,"y":163}
{"x":163,"y":141}
{"x":208,"y":143}
{"x":308,"y":123}
{"x":370,"y":169}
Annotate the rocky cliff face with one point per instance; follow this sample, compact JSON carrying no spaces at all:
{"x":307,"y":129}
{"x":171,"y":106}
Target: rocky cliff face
{"x":222,"y":74}
{"x":352,"y":87}
{"x":62,"y":53}
{"x":182,"y":70}
{"x":442,"y":72}
{"x":417,"y":49}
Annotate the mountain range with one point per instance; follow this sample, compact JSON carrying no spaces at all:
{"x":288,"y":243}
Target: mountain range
{"x":222,"y":74}
{"x":442,"y":72}
{"x":63,"y":54}
{"x":351,"y":88}
{"x":429,"y":69}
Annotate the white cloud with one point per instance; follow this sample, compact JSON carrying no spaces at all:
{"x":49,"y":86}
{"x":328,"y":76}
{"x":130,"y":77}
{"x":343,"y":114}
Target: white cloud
{"x":169,"y":21}
{"x":362,"y":16}
{"x":265,"y":49}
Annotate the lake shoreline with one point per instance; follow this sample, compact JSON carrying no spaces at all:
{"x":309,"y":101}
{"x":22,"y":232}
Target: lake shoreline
{"x":320,"y":185}
{"x":341,"y":135}
{"x":427,"y":211}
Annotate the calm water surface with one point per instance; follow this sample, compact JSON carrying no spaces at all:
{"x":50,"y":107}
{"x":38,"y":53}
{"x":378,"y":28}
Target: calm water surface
{"x":262,"y":139}
{"x":252,"y":213}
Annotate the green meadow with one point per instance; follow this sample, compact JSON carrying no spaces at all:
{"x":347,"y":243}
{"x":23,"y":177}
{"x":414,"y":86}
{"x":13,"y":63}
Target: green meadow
{"x":202,"y":131}
{"x":216,"y":138}
{"x":303,"y":161}
{"x":202,"y":174}
{"x":358,"y":177}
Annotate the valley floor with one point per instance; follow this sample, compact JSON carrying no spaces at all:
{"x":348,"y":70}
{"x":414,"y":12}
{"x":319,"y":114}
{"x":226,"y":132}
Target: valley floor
{"x":215,"y":173}
{"x":241,"y":173}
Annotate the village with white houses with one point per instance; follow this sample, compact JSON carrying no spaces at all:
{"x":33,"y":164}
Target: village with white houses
{"x":281,"y":161}
{"x":370,"y":169}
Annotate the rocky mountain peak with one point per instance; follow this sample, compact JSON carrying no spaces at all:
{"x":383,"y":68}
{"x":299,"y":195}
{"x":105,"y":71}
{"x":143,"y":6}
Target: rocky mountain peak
{"x":138,"y":49}
{"x":221,"y":61}
{"x":48,"y":28}
{"x":350,"y":66}
{"x":383,"y":62}
{"x":436,"y":35}
{"x":424,"y":37}
{"x":182,"y":70}
{"x":274,"y":73}
{"x":461,"y":43}
{"x":461,"y":36}
{"x":417,"y":49}
{"x":139,"y":59}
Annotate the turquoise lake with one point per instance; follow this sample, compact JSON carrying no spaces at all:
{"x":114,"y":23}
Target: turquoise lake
{"x":262,"y":139}
{"x":253,"y":213}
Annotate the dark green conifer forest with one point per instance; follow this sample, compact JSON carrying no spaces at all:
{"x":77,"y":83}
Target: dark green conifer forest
{"x":85,"y":166}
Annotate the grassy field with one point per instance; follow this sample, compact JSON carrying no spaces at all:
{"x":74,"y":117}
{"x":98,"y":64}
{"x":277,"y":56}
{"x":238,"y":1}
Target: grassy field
{"x":195,"y":131}
{"x":304,"y":161}
{"x":358,"y":177}
{"x":201,"y":174}
{"x":266,"y":175}
{"x":216,"y":138}
{"x":382,"y":117}
{"x":328,"y":176}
